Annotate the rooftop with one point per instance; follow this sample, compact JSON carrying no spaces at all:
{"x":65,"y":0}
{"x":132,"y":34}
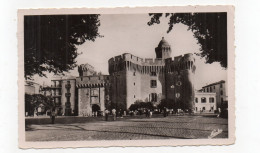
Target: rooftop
{"x":163,"y":43}
{"x":219,"y":82}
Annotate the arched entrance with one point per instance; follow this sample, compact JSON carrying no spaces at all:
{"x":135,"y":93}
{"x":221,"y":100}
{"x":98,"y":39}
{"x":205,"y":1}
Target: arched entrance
{"x":95,"y":108}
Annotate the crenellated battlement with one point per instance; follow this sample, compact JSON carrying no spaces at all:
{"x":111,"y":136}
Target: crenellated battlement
{"x":133,"y":63}
{"x":135,"y":59}
{"x":185,"y":62}
{"x":130,"y":62}
{"x":92,"y":81}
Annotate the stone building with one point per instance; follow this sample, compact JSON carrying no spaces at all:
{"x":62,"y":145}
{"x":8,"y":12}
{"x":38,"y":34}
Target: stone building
{"x":131,"y":79}
{"x":93,"y":90}
{"x":150,"y":80}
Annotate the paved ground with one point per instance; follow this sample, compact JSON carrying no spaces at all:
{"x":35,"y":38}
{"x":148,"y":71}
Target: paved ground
{"x":128,"y":128}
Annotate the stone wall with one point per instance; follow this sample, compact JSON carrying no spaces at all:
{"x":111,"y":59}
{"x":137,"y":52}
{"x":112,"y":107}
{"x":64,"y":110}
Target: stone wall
{"x":180,"y":80}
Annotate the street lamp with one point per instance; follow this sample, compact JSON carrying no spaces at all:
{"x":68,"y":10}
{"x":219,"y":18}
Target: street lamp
{"x":116,"y":92}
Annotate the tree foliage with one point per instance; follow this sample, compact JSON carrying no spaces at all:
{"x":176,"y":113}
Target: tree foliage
{"x":34,"y":101}
{"x":210,"y":29}
{"x":138,"y":105}
{"x":50,"y":41}
{"x":168,"y":103}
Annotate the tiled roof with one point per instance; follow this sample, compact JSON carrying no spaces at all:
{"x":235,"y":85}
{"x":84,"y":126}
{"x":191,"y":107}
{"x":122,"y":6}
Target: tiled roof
{"x":222,"y":81}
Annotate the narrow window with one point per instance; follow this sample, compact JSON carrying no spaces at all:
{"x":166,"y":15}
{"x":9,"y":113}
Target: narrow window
{"x":153,"y":84}
{"x":154,"y":97}
{"x":203,"y":100}
{"x":211,"y":100}
{"x":153,"y":73}
{"x":196,"y":100}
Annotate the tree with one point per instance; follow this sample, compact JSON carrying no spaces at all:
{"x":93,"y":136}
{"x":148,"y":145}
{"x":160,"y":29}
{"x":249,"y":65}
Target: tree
{"x":138,"y":105}
{"x":168,"y":103}
{"x":210,"y":29}
{"x":50,"y":41}
{"x":34,"y":101}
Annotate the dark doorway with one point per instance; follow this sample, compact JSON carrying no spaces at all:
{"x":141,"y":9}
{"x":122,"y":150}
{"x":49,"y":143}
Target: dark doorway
{"x":95,"y":108}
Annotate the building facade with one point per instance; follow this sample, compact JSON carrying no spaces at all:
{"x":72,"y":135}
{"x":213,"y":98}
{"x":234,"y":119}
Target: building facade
{"x":205,"y":102}
{"x":220,"y":89}
{"x":93,"y":90}
{"x":131,"y":79}
{"x":64,"y":94}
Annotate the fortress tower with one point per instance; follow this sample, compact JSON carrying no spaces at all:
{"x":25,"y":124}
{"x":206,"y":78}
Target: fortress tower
{"x":93,"y":90}
{"x":179,"y":78}
{"x":136,"y":79}
{"x":163,"y":50}
{"x":86,"y":70}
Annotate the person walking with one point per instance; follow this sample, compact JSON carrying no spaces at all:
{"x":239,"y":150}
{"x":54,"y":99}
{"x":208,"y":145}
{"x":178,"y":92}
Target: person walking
{"x":114,"y":114}
{"x":106,"y":114}
{"x":164,"y":112}
{"x":146,"y":112}
{"x":52,"y":115}
{"x":151,"y":114}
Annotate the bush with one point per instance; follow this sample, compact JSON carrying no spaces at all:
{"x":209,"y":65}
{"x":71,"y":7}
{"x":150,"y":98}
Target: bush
{"x":141,"y":105}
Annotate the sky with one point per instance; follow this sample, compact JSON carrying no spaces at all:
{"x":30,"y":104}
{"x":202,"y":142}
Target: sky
{"x":129,"y":33}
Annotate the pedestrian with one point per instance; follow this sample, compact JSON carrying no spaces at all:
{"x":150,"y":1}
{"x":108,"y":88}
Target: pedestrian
{"x":146,"y":112}
{"x":52,"y":115}
{"x":114,"y":114}
{"x":219,"y":112}
{"x":106,"y":114}
{"x":164,"y":112}
{"x":151,"y":113}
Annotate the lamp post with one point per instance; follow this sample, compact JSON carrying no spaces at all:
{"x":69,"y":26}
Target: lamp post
{"x":117,"y":75}
{"x":173,"y":87}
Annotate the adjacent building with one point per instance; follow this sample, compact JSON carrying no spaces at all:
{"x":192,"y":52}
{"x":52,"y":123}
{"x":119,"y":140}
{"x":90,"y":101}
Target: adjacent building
{"x":205,"y":102}
{"x":32,"y":88}
{"x":220,"y":89}
{"x":64,"y":93}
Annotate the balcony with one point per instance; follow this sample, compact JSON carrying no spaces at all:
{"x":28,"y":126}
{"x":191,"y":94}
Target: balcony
{"x":57,"y":86}
{"x":67,"y":94}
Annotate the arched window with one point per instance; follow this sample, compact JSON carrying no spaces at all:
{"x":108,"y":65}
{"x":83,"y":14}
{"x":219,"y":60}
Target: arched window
{"x":196,"y":100}
{"x":211,"y":99}
{"x":203,"y":100}
{"x":153,"y":84}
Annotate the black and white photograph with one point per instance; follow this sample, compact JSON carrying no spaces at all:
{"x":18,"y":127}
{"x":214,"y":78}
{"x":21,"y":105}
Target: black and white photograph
{"x":126,"y":77}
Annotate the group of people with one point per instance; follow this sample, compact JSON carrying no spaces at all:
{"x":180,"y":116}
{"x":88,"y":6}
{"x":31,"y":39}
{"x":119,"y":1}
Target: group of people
{"x":113,"y":113}
{"x":148,"y":113}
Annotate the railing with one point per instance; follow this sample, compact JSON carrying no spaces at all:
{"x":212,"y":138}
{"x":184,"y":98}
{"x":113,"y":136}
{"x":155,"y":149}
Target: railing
{"x":56,"y":86}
